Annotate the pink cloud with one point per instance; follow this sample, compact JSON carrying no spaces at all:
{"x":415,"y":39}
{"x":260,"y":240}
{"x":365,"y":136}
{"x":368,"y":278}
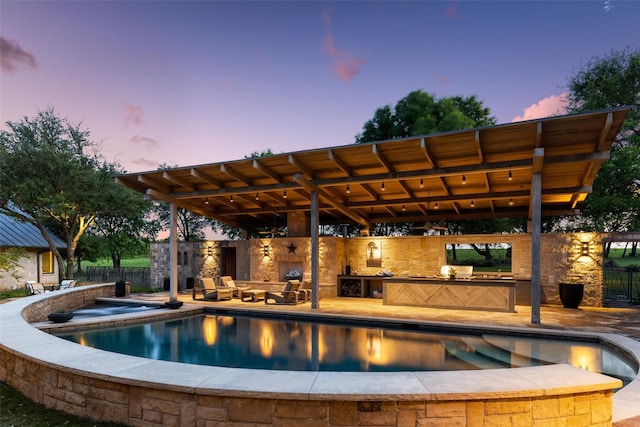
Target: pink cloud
{"x":443,"y":78}
{"x":550,"y":106}
{"x":345,"y":65}
{"x":452,"y":10}
{"x":11,"y":55}
{"x":132,"y":114}
{"x":145,"y":141}
{"x":145,"y":163}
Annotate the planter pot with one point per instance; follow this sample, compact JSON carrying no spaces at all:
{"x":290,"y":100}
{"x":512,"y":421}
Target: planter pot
{"x":60,"y":317}
{"x":571,"y":294}
{"x":173,"y":304}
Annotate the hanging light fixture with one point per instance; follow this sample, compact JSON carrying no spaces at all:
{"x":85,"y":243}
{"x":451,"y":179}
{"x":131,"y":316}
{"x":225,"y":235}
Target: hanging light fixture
{"x":382,"y":187}
{"x":285,"y":194}
{"x":348,"y":189}
{"x":231,"y":198}
{"x":206,"y":201}
{"x":257,"y":196}
{"x":510,"y":175}
{"x":464,"y":180}
{"x":403,"y":208}
{"x":435,"y":206}
{"x":510,"y":202}
{"x":421,"y":182}
{"x":473,"y":204}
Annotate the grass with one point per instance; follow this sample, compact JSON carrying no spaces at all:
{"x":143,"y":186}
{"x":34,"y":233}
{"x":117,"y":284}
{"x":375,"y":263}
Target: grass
{"x":127,"y":262}
{"x":17,"y":410}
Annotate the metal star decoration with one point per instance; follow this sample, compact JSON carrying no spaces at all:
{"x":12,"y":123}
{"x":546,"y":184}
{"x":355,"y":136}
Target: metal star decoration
{"x":292,"y":248}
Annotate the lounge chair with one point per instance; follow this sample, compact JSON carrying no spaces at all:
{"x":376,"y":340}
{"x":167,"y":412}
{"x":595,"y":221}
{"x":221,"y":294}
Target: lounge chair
{"x":305,"y":291}
{"x":235,"y":289}
{"x":209,"y":291}
{"x":66,"y":284}
{"x":289,"y":295}
{"x":34,"y":288}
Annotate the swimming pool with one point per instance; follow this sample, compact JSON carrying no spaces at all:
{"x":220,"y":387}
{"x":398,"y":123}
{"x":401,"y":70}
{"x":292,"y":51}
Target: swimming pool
{"x":238,"y":341}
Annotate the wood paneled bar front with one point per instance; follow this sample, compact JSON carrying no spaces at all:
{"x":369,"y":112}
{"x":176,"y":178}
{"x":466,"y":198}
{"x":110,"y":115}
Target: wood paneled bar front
{"x":468,"y":294}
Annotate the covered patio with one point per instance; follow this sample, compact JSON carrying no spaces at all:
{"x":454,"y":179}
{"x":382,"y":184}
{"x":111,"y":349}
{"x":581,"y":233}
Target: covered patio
{"x":531,"y":169}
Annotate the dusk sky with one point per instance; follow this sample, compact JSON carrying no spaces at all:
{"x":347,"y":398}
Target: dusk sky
{"x":187,"y":83}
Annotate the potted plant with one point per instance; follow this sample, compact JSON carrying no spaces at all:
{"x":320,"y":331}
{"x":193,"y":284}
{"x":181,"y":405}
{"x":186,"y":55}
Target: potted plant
{"x":60,"y":316}
{"x":452,"y":273}
{"x":173,"y":304}
{"x":571,"y":294}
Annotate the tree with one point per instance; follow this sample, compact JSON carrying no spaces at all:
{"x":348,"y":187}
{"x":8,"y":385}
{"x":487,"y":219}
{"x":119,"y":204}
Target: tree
{"x":612,"y":81}
{"x":419,"y":113}
{"x":50,"y":170}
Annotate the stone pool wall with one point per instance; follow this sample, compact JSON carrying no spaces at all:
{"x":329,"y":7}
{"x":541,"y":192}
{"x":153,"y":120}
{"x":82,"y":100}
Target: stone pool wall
{"x":101,"y":398}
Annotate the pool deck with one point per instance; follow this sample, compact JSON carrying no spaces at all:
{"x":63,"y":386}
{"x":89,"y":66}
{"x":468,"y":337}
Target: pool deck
{"x":619,"y":321}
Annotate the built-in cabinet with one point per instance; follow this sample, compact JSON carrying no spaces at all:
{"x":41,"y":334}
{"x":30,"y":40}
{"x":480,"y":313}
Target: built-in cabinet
{"x":360,"y":286}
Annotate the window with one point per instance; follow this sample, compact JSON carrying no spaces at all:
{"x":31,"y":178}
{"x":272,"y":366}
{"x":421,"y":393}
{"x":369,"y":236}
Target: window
{"x":47,"y":262}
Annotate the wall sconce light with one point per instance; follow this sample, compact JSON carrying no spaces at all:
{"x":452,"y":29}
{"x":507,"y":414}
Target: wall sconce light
{"x":584,"y":249}
{"x":209,"y":251}
{"x":265,"y":250}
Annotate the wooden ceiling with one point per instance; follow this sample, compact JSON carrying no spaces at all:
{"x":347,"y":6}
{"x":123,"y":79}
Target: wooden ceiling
{"x":469,"y":174}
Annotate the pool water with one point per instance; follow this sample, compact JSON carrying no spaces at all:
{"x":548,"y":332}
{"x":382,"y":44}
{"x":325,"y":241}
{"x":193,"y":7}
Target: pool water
{"x":249,"y":342}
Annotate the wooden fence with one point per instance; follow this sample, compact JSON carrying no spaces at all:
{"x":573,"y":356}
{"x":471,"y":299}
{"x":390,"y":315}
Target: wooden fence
{"x":139,"y":277}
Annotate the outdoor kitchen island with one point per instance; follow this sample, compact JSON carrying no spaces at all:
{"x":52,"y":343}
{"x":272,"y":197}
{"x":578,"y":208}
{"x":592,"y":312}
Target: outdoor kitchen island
{"x":468,"y":293}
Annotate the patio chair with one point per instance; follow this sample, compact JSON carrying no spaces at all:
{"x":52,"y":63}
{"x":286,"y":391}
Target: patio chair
{"x":210,"y":291}
{"x":34,"y":288}
{"x":235,"y":289}
{"x":305,"y":291}
{"x":66,"y":284}
{"x":289,"y":295}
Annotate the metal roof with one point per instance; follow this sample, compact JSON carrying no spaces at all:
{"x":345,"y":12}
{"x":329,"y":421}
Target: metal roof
{"x":14,"y":233}
{"x":469,"y":174}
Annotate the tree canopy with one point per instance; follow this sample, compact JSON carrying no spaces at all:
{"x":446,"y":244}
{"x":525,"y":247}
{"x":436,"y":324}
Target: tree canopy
{"x":51,"y":170}
{"x":420,"y":113}
{"x":612,"y":81}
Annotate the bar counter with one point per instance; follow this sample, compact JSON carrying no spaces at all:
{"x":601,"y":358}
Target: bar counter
{"x":459,"y":294}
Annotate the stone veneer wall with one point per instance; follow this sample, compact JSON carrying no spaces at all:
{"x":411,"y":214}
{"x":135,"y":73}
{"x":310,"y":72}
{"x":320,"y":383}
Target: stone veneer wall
{"x":561,"y":259}
{"x":140,"y":403}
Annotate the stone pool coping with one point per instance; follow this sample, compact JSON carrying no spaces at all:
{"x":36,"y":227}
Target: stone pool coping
{"x":20,"y":338}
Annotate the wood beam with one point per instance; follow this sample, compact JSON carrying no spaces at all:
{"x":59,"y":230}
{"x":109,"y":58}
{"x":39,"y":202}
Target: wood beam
{"x":375,"y":150}
{"x":311,"y":186}
{"x":181,"y":182}
{"x":476,"y":140}
{"x":339,"y":162}
{"x":301,"y":167}
{"x":153,"y":184}
{"x":206,"y":178}
{"x":427,"y":153}
{"x":267,"y":171}
{"x":605,"y":131}
{"x":235,"y":174}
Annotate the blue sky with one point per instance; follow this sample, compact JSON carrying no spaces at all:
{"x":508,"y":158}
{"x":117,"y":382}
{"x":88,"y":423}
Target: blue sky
{"x":187,"y":83}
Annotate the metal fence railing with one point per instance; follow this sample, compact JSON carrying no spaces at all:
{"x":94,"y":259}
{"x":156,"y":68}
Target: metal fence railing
{"x":138,"y":276}
{"x":621,"y":284}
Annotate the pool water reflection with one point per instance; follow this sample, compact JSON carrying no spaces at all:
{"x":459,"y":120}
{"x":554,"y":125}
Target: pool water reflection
{"x":249,"y":342}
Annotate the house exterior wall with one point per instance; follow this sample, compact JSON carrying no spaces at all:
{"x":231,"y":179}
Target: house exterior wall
{"x":266,"y":260}
{"x":30,"y":269}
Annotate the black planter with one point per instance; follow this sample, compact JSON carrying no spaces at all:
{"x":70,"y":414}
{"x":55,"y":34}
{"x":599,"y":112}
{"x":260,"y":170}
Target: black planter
{"x":60,"y":317}
{"x":173,"y":304}
{"x":571,"y":294}
{"x":166,"y":284}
